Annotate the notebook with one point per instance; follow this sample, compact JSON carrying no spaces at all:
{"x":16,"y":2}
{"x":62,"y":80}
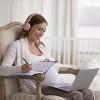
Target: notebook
{"x":39,"y":67}
{"x":82,"y":80}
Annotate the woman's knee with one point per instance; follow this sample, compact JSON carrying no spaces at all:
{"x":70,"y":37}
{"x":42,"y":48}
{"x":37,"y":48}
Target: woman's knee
{"x":87,"y":94}
{"x":76,"y":95}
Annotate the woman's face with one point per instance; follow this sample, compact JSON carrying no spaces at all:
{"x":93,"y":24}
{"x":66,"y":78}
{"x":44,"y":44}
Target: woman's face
{"x":37,"y":31}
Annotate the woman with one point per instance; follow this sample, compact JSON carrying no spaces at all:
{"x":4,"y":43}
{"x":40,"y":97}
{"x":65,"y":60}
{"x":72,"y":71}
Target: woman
{"x":29,"y":47}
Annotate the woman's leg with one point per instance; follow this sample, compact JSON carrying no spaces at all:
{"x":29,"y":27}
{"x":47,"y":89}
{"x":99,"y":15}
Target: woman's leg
{"x":74,"y":95}
{"x":87,"y":94}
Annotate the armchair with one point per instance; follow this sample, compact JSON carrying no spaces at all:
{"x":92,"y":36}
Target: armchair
{"x":9,"y":84}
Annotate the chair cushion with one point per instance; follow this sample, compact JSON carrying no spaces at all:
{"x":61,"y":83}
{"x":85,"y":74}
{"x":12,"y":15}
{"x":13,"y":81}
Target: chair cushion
{"x":21,"y":96}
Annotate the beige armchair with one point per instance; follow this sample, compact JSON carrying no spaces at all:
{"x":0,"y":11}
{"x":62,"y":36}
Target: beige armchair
{"x":9,"y":84}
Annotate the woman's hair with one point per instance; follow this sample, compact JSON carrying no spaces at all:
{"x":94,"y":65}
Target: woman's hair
{"x":32,"y":20}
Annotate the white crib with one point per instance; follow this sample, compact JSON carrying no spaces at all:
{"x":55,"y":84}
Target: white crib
{"x":73,"y":51}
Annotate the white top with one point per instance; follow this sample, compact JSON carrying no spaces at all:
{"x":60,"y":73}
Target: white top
{"x":14,"y":59}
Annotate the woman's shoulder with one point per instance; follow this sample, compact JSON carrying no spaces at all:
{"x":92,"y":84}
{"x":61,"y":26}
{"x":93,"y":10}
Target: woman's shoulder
{"x":17,"y":42}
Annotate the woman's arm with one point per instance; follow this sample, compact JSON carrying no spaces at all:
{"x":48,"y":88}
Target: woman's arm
{"x":7,"y":67}
{"x":64,"y":70}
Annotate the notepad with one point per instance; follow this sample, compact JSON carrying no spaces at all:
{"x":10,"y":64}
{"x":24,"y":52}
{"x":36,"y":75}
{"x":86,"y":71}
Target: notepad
{"x":42,"y":66}
{"x":39,"y":67}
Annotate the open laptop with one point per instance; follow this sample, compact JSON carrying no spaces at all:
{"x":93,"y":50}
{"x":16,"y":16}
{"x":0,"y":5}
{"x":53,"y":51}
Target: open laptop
{"x":82,"y":81}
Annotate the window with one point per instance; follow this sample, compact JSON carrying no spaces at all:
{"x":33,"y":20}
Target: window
{"x":88,"y":18}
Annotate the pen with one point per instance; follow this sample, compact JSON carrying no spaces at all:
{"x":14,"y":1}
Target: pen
{"x":25,"y":61}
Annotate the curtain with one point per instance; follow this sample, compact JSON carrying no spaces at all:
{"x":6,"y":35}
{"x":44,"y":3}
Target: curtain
{"x":57,"y":12}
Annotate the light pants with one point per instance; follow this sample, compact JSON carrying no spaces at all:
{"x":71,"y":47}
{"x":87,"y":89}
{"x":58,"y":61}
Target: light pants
{"x":85,"y":94}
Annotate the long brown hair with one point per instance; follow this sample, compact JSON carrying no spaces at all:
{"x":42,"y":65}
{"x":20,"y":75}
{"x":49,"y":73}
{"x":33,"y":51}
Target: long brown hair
{"x":35,"y":19}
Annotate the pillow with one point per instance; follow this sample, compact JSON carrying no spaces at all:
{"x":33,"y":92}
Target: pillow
{"x":93,"y":63}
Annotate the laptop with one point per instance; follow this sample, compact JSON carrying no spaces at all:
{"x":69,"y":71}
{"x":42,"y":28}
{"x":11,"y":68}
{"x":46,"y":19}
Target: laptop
{"x":82,"y":81}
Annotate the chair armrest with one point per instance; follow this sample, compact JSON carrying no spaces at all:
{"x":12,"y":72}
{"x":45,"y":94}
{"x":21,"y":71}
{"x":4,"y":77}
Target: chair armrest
{"x":64,"y":70}
{"x":37,"y":77}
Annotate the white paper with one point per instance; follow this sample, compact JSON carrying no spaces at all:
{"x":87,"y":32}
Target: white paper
{"x":39,"y":67}
{"x":42,"y":66}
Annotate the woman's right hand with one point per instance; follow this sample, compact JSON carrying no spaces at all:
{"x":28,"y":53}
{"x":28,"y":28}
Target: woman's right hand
{"x":26,"y":68}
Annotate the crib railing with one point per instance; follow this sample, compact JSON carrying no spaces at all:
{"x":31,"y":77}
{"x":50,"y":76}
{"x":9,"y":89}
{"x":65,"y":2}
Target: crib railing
{"x":72,"y":51}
